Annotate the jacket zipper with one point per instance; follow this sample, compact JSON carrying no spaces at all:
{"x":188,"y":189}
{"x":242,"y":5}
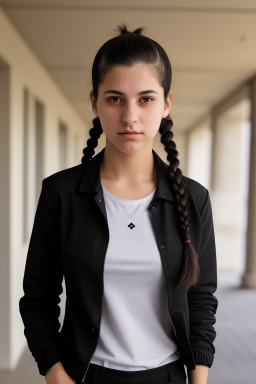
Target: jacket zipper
{"x":83,"y":379}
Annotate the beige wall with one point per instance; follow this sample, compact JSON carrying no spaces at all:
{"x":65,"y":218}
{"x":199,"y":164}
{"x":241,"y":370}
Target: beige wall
{"x":27,"y":71}
{"x":5,"y":213}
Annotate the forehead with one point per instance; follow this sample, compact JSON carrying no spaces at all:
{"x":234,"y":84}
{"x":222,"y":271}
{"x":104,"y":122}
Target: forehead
{"x":134,"y":77}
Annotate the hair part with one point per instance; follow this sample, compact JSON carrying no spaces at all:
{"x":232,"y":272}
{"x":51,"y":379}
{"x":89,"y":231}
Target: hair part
{"x":129,"y":48}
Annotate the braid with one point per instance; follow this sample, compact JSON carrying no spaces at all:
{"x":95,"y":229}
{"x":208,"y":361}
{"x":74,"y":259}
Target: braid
{"x":92,"y":142}
{"x":190,"y":270}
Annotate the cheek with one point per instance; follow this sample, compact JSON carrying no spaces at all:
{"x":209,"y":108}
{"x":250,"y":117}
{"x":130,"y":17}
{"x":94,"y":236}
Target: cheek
{"x":109,"y":121}
{"x":107,"y":114}
{"x":153,"y":121}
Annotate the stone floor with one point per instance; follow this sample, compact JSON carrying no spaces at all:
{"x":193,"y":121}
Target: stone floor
{"x":235,"y":359}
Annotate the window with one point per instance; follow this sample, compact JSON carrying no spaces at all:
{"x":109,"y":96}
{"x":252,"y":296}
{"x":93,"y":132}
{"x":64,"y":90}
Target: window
{"x":33,"y":133}
{"x":62,"y":146}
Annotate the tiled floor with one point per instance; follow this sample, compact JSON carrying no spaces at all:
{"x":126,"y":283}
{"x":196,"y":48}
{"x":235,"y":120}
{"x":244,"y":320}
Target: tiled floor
{"x":235,"y":360}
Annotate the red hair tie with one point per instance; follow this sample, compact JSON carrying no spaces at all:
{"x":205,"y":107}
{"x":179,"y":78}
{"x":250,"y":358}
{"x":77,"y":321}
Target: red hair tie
{"x":187,"y":241}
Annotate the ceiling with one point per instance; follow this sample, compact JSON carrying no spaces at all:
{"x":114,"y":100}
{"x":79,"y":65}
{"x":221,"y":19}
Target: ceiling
{"x":211,"y":44}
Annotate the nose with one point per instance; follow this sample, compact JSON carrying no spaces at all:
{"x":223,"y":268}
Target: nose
{"x":130,"y":113}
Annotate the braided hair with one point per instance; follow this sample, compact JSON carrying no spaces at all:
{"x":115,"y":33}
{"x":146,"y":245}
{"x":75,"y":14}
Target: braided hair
{"x":129,"y":48}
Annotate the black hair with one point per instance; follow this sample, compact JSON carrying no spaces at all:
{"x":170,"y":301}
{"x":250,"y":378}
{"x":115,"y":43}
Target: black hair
{"x":127,"y":49}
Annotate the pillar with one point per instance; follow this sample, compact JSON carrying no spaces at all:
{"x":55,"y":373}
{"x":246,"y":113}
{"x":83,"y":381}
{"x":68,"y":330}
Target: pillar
{"x":249,"y":276}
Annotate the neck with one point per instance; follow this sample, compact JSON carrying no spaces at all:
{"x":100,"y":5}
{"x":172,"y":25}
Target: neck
{"x":130,"y":168}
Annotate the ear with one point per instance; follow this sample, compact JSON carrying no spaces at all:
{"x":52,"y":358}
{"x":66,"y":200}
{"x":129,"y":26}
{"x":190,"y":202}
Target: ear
{"x":94,"y":104}
{"x":167,"y":106}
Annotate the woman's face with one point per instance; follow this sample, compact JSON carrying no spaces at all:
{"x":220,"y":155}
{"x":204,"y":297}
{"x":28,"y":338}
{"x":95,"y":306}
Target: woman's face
{"x":131,"y":98}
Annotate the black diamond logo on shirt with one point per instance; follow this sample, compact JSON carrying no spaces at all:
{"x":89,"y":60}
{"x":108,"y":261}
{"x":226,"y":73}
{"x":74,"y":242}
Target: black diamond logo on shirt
{"x":131,"y":225}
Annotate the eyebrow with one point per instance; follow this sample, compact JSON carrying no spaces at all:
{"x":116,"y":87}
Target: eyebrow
{"x":122,"y":94}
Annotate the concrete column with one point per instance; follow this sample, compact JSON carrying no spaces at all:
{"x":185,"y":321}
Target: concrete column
{"x":226,"y":192}
{"x":249,"y":277}
{"x":199,"y":151}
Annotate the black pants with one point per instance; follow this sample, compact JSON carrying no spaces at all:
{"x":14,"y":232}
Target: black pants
{"x":170,"y":373}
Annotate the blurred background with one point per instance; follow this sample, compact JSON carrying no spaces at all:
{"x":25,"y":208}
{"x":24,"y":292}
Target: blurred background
{"x":46,"y":52}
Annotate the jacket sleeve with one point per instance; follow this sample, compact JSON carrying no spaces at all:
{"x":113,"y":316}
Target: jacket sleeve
{"x":201,"y":300}
{"x":42,"y":285}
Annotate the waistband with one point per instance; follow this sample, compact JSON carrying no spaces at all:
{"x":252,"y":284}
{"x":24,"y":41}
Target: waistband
{"x":165,"y":372}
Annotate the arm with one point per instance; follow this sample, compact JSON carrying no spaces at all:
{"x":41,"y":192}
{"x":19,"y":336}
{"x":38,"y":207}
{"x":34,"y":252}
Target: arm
{"x":199,"y":375}
{"x":42,"y":285}
{"x":57,"y":375}
{"x":201,"y":300}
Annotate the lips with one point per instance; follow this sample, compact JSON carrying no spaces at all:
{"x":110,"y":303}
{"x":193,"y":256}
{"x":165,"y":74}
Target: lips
{"x":129,"y":133}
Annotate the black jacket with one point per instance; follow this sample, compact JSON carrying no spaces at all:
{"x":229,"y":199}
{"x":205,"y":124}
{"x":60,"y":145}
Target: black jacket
{"x":70,"y":237}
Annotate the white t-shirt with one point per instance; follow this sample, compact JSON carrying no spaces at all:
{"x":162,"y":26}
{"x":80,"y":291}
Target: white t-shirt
{"x":135,"y":326}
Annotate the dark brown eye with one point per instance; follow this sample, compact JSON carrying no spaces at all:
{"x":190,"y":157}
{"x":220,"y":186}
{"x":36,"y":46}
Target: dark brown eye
{"x":146,"y":99}
{"x":114,"y":99}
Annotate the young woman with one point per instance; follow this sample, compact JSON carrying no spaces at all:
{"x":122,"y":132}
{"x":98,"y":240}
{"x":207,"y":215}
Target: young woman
{"x":132,"y":237}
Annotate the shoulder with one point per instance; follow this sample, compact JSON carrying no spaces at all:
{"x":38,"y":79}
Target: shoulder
{"x":64,"y":180}
{"x":196,"y":192}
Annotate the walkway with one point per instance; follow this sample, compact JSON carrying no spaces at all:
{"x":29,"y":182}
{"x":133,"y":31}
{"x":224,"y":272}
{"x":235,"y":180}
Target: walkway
{"x":235,"y":360}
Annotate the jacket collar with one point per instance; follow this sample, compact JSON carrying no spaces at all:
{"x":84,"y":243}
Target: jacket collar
{"x":91,"y":183}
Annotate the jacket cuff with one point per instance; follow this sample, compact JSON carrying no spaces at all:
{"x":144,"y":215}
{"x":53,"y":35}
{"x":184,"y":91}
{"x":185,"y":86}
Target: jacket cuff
{"x":203,"y":355}
{"x":47,"y":359}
